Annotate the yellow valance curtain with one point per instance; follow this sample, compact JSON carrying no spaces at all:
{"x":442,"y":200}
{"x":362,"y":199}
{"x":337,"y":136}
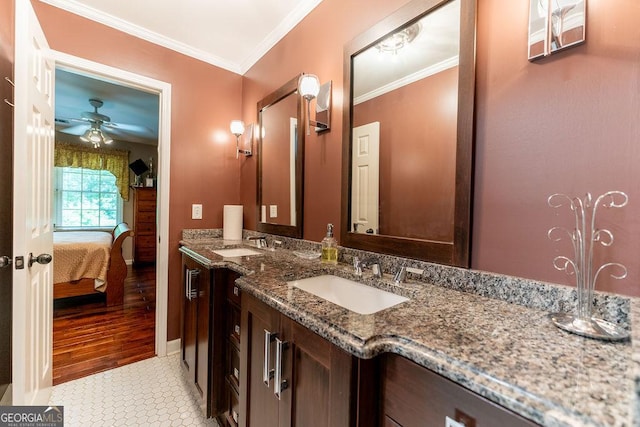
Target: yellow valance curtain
{"x":79,"y":156}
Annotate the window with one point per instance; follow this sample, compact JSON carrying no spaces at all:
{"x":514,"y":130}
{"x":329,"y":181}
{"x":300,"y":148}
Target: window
{"x":86,"y":198}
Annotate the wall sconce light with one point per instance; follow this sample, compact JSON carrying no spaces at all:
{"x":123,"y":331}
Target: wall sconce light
{"x":238,"y":129}
{"x":309,"y":88}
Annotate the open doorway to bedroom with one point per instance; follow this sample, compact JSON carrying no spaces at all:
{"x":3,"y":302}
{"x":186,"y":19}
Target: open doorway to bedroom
{"x":106,"y":173}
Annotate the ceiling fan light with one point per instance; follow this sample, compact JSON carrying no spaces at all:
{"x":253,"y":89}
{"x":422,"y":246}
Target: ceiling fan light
{"x":106,"y":138}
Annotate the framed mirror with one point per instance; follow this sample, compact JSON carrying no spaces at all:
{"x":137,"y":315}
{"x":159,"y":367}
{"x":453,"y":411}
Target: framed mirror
{"x":280,"y":135}
{"x":408,"y":133}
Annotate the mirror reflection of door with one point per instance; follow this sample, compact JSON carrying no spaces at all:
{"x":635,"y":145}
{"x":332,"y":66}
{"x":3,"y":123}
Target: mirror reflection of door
{"x":365,"y":178}
{"x":414,"y":96}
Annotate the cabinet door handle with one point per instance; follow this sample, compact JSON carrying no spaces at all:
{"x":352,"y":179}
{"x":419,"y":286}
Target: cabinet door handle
{"x":193,"y":277}
{"x":187,"y":293}
{"x":279,"y":383}
{"x":267,"y":372}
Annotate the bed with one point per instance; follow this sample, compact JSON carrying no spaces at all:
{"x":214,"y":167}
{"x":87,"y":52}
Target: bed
{"x":86,"y":262}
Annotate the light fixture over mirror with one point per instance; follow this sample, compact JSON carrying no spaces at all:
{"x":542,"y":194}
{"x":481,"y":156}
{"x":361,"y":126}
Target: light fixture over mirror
{"x":309,"y":88}
{"x":399,"y":39}
{"x":409,"y":124}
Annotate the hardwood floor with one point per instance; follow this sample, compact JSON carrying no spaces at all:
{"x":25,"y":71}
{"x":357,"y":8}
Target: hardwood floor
{"x":89,"y":337}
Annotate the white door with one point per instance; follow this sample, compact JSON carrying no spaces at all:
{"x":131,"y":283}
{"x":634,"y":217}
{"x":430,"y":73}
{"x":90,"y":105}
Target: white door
{"x":32,"y":227}
{"x":365,"y":178}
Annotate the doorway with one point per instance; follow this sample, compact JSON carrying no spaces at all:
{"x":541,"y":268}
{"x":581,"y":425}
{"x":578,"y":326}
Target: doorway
{"x":163,"y":90}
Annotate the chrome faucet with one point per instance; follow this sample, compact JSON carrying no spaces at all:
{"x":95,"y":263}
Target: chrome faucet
{"x":359,"y":264}
{"x":261,"y":241}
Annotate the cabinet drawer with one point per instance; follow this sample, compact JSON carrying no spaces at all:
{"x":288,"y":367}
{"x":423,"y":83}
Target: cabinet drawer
{"x":145,"y":255}
{"x":416,"y":396}
{"x":145,"y":228}
{"x":146,"y":206}
{"x":145,"y":241}
{"x":233,"y":292}
{"x":142,"y":194}
{"x":233,"y":409}
{"x":233,"y":325}
{"x":233,"y":366}
{"x":145,"y":216}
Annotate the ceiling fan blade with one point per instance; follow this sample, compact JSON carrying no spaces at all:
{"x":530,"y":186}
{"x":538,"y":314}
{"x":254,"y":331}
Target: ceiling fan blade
{"x":141,"y":131}
{"x":75,"y":130}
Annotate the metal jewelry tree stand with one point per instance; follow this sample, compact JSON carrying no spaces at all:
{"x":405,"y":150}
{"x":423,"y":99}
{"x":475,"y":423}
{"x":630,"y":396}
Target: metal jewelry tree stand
{"x":584,"y":238}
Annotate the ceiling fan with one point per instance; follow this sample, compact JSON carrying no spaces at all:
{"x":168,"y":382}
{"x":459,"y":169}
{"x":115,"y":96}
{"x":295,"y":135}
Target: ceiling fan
{"x":94,"y":124}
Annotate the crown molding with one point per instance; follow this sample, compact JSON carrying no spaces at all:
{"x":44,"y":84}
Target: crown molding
{"x":414,"y":77}
{"x":93,"y":14}
{"x":288,"y":23}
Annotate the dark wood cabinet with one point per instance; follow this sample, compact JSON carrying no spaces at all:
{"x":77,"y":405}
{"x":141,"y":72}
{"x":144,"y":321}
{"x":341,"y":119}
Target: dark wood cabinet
{"x":293,"y":376}
{"x":415,"y":396}
{"x":232,"y":361}
{"x":203,"y":343}
{"x":144,"y":225}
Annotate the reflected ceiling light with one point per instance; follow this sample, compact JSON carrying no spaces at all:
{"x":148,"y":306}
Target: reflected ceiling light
{"x":95,"y":136}
{"x":309,"y":88}
{"x":237,"y":128}
{"x":398,"y":40}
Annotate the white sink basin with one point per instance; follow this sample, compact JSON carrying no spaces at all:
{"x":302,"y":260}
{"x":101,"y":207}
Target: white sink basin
{"x":235,"y":252}
{"x":346,"y":293}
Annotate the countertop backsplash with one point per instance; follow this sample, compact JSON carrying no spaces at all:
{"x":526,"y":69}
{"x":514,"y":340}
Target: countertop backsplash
{"x":515,"y":290}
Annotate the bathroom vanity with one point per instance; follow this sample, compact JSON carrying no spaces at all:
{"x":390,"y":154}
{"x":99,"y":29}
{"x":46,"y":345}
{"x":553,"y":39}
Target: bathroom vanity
{"x":486,"y":360}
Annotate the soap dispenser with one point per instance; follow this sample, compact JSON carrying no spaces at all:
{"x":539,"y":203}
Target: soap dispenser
{"x":329,"y":247}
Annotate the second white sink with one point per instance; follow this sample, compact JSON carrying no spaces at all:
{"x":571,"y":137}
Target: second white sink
{"x":346,"y":293}
{"x":235,"y":252}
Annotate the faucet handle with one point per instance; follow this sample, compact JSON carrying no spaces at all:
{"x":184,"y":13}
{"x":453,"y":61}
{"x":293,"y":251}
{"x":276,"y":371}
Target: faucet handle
{"x":400,"y":275}
{"x":376,"y":270}
{"x":357,"y":266}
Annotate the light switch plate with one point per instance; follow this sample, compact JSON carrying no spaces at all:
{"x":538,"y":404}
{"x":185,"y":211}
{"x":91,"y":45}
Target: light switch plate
{"x":273,"y":211}
{"x":196,"y":211}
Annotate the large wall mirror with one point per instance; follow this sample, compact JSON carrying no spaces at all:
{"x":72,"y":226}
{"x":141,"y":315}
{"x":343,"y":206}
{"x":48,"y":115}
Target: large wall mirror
{"x":280,"y":136}
{"x":408,"y":134}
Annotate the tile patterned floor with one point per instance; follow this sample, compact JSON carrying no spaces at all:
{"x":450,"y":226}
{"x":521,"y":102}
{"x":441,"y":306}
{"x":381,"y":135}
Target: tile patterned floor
{"x":153,"y":392}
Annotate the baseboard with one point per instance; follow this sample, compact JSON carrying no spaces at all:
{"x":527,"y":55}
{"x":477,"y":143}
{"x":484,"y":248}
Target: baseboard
{"x":173,"y":347}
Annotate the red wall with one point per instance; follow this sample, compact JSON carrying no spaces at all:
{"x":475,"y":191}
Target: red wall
{"x":204,"y":100}
{"x":417,"y":149}
{"x":568,"y":124}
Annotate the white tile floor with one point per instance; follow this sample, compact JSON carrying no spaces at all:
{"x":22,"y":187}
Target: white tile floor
{"x":153,"y":392}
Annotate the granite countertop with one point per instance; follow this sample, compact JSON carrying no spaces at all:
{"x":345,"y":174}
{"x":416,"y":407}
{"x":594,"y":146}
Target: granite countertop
{"x":508,"y":353}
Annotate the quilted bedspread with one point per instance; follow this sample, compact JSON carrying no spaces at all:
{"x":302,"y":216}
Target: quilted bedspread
{"x":80,"y":255}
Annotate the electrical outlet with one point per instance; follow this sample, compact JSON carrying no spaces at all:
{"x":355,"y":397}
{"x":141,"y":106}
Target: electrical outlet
{"x":273,"y":211}
{"x":196,"y":211}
